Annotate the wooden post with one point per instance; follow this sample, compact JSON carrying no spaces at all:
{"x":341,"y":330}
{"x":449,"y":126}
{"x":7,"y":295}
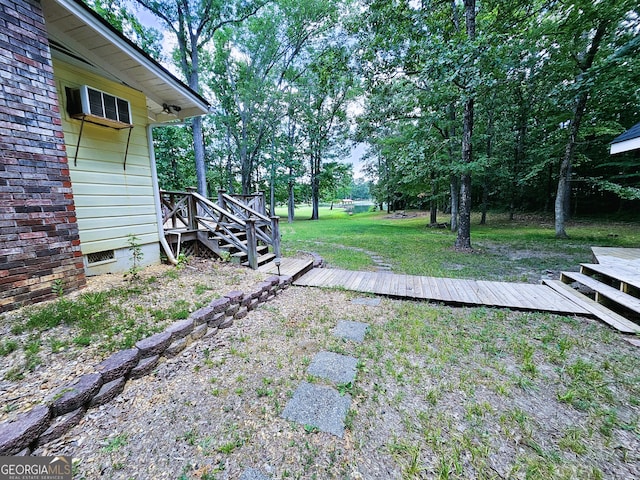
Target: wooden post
{"x":174,"y":217}
{"x":261,"y":207}
{"x":252,"y":245}
{"x":192,"y":209}
{"x":221,"y":191}
{"x":275,"y":232}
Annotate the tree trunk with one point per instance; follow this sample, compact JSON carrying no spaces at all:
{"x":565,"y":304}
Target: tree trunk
{"x":198,"y":150}
{"x":315,"y":202}
{"x":433,"y":203}
{"x":485,"y":202}
{"x":564,"y":180}
{"x":463,"y":240}
{"x":315,"y":187}
{"x":291,"y":203}
{"x":455,"y":202}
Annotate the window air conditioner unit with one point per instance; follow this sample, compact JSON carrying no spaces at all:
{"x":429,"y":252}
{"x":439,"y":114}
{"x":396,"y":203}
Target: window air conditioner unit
{"x":98,"y":107}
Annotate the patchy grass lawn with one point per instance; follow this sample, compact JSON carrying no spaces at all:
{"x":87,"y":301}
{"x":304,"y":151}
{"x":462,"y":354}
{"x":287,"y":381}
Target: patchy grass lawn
{"x":522,"y":250}
{"x":440,"y":392}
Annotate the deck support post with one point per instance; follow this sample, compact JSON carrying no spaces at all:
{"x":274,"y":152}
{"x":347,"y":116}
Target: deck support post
{"x":252,"y":246}
{"x":275,"y":235}
{"x":192,"y":209}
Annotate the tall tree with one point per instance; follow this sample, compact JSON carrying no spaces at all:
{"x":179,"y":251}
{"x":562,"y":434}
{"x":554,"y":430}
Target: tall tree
{"x":325,"y":91}
{"x":194,"y":22}
{"x":587,"y":24}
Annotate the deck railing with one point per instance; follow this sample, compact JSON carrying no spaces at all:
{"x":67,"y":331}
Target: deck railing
{"x":190,"y":211}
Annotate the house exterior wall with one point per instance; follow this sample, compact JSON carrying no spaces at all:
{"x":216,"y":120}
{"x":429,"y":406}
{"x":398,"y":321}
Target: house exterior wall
{"x":112,"y":201}
{"x":39,"y":241}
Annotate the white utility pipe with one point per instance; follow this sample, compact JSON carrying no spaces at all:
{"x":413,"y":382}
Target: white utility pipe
{"x":156,"y":198}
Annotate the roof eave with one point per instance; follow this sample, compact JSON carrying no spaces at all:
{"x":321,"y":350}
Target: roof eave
{"x":199,"y":106}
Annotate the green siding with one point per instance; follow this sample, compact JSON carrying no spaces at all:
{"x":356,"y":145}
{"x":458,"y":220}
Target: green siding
{"x":111,"y":201}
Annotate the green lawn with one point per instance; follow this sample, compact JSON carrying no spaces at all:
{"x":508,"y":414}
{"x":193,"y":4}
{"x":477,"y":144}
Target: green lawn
{"x":519,"y":250}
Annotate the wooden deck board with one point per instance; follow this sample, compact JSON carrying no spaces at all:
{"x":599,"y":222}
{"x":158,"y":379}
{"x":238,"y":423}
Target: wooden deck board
{"x":470,"y":292}
{"x":616,"y":321}
{"x":621,"y":298}
{"x":622,"y":274}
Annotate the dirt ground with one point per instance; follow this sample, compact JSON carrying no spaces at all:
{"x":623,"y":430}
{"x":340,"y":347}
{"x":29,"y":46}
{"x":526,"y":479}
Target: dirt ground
{"x":440,"y":392}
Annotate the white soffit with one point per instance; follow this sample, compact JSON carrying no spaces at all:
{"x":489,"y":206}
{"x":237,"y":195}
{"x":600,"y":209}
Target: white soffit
{"x":625,"y":146}
{"x":86,"y":39}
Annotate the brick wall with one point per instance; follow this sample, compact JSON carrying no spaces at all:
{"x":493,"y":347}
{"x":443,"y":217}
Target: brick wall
{"x":39,"y":241}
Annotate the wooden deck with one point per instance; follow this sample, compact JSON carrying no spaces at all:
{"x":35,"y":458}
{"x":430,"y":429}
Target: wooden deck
{"x":292,"y":267}
{"x":521,"y":296}
{"x":615,"y":256}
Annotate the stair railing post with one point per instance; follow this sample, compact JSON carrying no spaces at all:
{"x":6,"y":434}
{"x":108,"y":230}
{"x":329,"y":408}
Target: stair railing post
{"x":192,"y":209}
{"x":174,"y":216}
{"x":275,"y":235}
{"x":252,"y":245}
{"x":262,"y":206}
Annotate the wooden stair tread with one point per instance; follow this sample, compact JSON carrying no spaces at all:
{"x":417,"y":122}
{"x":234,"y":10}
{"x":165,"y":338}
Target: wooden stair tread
{"x":613,"y":294}
{"x":596,"y":309}
{"x":261,"y":250}
{"x":262,"y":259}
{"x":619,"y":273}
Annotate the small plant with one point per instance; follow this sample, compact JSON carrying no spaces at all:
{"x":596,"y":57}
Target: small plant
{"x":190,"y":437}
{"x":57,"y":346}
{"x":58,"y":287}
{"x":133,"y":274}
{"x":311,"y":429}
{"x":116,"y":443}
{"x":183,"y":260}
{"x":7,"y":347}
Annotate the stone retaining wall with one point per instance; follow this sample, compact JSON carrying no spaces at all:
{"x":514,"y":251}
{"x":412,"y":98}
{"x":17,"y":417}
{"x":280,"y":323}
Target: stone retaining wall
{"x":50,"y":421}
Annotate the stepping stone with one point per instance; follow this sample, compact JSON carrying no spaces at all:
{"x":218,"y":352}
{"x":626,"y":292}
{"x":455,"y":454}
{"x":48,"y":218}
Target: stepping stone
{"x":367,"y":301}
{"x":253,"y":474}
{"x":336,"y":368}
{"x":318,"y":406}
{"x":351,"y":330}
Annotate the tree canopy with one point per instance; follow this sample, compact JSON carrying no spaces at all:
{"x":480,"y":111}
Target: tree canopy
{"x":463,"y":104}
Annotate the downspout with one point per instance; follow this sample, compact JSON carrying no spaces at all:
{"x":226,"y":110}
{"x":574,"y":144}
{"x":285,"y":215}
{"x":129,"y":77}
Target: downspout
{"x":156,"y":198}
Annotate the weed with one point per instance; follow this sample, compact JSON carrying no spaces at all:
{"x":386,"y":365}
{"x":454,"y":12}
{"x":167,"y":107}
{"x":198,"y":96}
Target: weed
{"x":572,"y":439}
{"x":58,"y":346}
{"x":311,"y":429}
{"x":230,"y":446}
{"x":135,"y":249}
{"x":116,"y":443}
{"x":200,"y":288}
{"x":344,"y":388}
{"x":7,"y":347}
{"x":58,"y":287}
{"x":190,"y":436}
{"x":264,"y":392}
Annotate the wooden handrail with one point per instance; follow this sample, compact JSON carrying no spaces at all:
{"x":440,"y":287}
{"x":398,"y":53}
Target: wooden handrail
{"x":243,"y":206}
{"x":220,"y":221}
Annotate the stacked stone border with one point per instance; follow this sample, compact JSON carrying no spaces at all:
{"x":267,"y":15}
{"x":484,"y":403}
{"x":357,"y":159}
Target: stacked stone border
{"x":68,"y":406}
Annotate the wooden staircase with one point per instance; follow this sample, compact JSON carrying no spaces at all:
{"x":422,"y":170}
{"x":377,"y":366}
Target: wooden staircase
{"x":609,"y":288}
{"x":236,"y":228}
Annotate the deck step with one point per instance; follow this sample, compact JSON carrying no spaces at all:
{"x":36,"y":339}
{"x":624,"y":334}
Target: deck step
{"x":626,"y":277}
{"x":293,"y":267}
{"x":262,"y":259}
{"x":596,"y":309}
{"x":262,"y":249}
{"x":602,"y":290}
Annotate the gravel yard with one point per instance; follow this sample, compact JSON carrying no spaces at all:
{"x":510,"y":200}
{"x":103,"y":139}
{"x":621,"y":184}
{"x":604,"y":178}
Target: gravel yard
{"x":440,"y":392}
